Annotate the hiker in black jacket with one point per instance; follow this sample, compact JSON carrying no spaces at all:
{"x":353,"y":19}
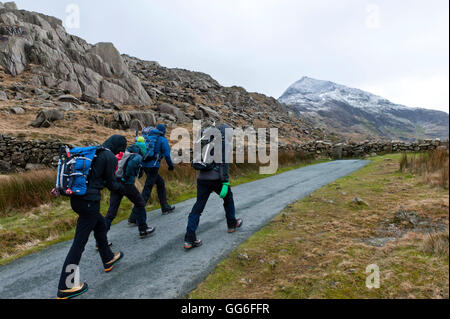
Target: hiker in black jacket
{"x":215,"y":180}
{"x":131,"y":170}
{"x":87,"y":207}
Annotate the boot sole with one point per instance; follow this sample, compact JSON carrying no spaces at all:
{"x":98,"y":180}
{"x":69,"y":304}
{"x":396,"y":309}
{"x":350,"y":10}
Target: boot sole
{"x":168,"y":212}
{"x":232,"y":231}
{"x":111,"y":268}
{"x":74,"y":295}
{"x":146,"y":236}
{"x":193,"y":247}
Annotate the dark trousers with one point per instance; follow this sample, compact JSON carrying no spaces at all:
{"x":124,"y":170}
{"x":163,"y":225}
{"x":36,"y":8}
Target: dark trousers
{"x":89,"y":220}
{"x":133,"y":194}
{"x":153,"y":178}
{"x":204,"y":190}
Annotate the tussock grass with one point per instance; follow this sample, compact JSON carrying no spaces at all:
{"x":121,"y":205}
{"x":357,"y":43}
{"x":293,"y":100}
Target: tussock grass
{"x":26,"y":190}
{"x":436,"y":244}
{"x":433,"y":166}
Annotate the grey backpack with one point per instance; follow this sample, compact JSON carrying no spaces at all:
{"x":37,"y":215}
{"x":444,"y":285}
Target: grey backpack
{"x":120,"y":173}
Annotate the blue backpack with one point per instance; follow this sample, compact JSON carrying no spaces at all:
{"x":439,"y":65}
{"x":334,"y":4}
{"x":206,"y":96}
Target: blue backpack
{"x":151,"y":139}
{"x":73,"y":170}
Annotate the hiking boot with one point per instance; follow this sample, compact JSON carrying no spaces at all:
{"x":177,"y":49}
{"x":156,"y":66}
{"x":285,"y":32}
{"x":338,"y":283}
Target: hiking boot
{"x":109,"y":266}
{"x":192,"y":245}
{"x":72,"y":293}
{"x":109,"y":245}
{"x":167,"y":209}
{"x":239,"y":222}
{"x":146,"y":231}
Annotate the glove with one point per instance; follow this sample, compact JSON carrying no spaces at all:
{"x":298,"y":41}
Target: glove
{"x":171,"y":168}
{"x":225,"y":188}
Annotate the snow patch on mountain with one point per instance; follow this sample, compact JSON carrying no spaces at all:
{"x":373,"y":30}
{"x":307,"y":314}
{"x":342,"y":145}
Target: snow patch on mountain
{"x":313,"y":95}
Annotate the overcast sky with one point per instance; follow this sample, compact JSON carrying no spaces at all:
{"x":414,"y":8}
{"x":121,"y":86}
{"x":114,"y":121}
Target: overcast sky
{"x":397,"y":49}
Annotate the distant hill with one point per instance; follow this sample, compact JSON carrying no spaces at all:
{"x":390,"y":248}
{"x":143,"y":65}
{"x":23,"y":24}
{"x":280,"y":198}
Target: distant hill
{"x":356,"y":113}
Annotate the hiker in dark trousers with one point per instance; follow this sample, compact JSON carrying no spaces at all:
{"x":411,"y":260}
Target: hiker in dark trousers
{"x":213,"y":180}
{"x":88,"y":209}
{"x":151,"y":169}
{"x":131,"y":170}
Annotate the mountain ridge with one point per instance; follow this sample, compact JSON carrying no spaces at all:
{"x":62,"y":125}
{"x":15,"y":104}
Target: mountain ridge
{"x":353,"y":111}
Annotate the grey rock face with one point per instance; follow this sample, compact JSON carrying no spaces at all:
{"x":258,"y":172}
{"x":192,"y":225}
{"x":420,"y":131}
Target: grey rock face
{"x":172,"y":110}
{"x":67,"y":62}
{"x":10,"y":5}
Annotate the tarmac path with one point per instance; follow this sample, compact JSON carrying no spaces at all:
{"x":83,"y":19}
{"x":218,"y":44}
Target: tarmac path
{"x":158,"y":267}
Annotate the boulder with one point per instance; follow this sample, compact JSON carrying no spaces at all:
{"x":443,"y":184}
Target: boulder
{"x":68,"y":98}
{"x":112,"y":92}
{"x":209,"y":112}
{"x":17,"y":110}
{"x":133,"y":120}
{"x":111,"y":57}
{"x":89,"y":99}
{"x":172,"y":110}
{"x":11,"y":6}
{"x":45,"y":117}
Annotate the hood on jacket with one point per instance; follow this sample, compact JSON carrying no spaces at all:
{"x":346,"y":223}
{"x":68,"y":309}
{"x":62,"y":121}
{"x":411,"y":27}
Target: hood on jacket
{"x":135,"y":149}
{"x":116,"y":144}
{"x":162,"y":128}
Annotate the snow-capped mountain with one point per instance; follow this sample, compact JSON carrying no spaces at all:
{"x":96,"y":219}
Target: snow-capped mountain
{"x":357,"y":113}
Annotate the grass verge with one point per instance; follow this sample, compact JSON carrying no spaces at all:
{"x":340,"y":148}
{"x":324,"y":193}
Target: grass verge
{"x":321,"y":246}
{"x":26,"y":229}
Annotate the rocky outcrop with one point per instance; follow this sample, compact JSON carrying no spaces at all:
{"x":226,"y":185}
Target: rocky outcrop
{"x":36,"y":41}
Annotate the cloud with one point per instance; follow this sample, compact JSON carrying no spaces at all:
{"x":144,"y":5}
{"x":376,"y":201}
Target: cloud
{"x":431,"y":92}
{"x":398,"y":48}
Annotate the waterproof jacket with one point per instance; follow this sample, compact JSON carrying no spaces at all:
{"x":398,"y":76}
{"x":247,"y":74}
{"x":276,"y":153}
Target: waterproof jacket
{"x":220,"y":170}
{"x":103,"y":171}
{"x":134,"y":165}
{"x":162,"y":148}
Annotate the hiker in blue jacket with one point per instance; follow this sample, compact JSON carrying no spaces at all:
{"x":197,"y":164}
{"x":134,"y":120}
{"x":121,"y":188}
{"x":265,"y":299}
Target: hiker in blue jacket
{"x":151,"y":169}
{"x":130,"y":166}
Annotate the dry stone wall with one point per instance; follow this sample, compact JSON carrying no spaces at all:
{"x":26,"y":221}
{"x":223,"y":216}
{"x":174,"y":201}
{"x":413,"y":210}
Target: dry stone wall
{"x":17,"y":154}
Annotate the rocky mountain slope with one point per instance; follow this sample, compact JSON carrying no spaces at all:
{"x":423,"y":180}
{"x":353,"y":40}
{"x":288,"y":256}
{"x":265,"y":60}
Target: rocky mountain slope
{"x":354,"y":112}
{"x":56,"y":84}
